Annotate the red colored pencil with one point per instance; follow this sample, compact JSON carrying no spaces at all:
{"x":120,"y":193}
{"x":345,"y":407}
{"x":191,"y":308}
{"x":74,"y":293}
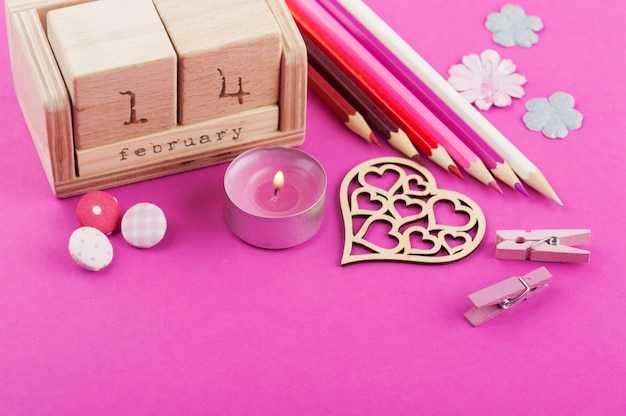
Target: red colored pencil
{"x":340,"y":106}
{"x":418,"y":135}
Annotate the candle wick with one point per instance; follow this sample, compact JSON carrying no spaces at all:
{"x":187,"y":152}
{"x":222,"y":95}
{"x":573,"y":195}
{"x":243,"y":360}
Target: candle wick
{"x":276,"y":190}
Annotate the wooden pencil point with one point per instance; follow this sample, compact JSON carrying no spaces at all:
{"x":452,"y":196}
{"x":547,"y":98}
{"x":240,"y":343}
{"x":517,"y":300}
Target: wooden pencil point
{"x":538,"y":182}
{"x":479,"y":171}
{"x":359,"y":126}
{"x":419,"y":159}
{"x":442,"y":159}
{"x":401,"y":142}
{"x":455,"y":169}
{"x":503,"y":172}
{"x":520,"y":188}
{"x":374,"y":139}
{"x":494,"y":185}
{"x":556,"y":199}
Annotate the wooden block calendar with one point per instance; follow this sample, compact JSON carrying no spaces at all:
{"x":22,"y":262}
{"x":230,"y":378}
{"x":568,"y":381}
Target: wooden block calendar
{"x":117,"y":91}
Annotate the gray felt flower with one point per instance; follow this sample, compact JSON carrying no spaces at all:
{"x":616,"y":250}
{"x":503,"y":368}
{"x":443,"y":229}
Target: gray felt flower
{"x":512,"y":27}
{"x":554,"y":116}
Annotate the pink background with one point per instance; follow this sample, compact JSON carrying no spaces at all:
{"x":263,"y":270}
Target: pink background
{"x":203,"y":324}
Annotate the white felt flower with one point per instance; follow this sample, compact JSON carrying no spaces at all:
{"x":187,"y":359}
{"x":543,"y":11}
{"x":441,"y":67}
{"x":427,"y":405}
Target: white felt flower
{"x":512,"y":27}
{"x":487,"y":80}
{"x":554,"y":116}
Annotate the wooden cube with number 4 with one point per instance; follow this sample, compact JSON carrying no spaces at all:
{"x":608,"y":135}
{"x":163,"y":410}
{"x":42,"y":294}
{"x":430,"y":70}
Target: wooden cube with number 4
{"x":229,"y":55}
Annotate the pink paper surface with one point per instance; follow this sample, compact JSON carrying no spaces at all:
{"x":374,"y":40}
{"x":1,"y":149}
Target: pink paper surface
{"x":203,"y":324}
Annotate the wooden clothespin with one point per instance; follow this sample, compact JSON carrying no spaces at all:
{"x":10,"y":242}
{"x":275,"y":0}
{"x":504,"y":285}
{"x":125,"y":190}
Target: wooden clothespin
{"x":543,"y":245}
{"x":500,"y":297}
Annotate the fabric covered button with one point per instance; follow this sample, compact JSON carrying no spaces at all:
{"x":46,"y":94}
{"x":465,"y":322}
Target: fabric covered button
{"x":144,"y":225}
{"x":99,"y":210}
{"x":90,"y":248}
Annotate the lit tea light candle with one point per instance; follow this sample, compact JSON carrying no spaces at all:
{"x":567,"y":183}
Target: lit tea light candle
{"x":274,"y":196}
{"x":279,"y":181}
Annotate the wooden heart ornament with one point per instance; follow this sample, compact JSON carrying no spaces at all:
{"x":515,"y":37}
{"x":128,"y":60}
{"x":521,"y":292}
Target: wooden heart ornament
{"x":392,"y":210}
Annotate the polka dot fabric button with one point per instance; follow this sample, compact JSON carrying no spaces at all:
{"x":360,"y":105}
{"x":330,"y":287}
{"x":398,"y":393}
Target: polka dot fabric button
{"x":144,"y":225}
{"x":99,"y":210}
{"x":90,"y":248}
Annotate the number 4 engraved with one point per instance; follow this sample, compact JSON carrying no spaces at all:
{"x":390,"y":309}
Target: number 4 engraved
{"x":239,"y":94}
{"x":133,"y":112}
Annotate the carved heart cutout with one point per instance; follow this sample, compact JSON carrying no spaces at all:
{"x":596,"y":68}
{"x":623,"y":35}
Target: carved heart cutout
{"x":388,"y":178}
{"x":414,"y":222}
{"x":365,"y":202}
{"x":419,"y":185}
{"x":405,"y":207}
{"x":452,"y":213}
{"x":379,"y":235}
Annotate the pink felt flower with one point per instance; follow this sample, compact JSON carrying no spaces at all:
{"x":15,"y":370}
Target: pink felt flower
{"x":487,"y":80}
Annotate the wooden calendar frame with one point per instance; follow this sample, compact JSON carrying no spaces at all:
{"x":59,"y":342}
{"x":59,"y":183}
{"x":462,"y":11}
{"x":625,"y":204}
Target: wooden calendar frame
{"x":47,"y":109}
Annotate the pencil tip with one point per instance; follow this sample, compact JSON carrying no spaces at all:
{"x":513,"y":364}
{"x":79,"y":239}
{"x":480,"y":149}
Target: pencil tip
{"x":494,"y":185}
{"x":537,"y":181}
{"x":454,"y":169}
{"x":416,"y":157}
{"x":521,"y":188}
{"x":374,"y":139}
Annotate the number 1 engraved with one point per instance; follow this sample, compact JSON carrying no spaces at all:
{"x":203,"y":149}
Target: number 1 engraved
{"x":239,"y":94}
{"x":133,"y":112}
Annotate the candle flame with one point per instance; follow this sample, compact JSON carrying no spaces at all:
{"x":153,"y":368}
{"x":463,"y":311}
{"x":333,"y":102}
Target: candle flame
{"x":279,"y":179}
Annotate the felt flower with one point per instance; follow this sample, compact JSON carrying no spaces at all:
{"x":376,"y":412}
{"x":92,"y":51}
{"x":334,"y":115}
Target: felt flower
{"x":512,"y":27}
{"x":554,"y":116}
{"x":487,"y":80}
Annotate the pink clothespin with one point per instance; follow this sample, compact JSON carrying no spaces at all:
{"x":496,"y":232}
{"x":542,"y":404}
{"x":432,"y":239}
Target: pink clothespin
{"x":542,"y":245}
{"x":500,"y":297}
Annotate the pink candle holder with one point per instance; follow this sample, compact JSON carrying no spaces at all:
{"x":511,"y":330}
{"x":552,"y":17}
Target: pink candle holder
{"x":267,"y":210}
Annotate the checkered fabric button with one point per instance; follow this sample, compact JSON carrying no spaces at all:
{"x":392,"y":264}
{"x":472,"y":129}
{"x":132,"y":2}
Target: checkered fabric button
{"x":144,"y":225}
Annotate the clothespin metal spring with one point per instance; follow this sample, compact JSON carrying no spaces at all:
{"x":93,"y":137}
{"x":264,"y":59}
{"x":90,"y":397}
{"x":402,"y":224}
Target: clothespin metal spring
{"x":552,"y":240}
{"x":509,"y":303}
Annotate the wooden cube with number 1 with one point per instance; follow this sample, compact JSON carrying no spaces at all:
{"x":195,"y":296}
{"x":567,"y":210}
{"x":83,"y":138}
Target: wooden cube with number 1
{"x":119,"y":67}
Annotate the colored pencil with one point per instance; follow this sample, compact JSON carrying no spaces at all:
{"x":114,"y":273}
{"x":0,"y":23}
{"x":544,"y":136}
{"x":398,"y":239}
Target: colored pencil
{"x":496,"y":164}
{"x":522,"y":166}
{"x":376,"y":118}
{"x":396,"y":112}
{"x":340,"y":106}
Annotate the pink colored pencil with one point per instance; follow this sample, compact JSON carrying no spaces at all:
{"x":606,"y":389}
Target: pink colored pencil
{"x":397,"y":91}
